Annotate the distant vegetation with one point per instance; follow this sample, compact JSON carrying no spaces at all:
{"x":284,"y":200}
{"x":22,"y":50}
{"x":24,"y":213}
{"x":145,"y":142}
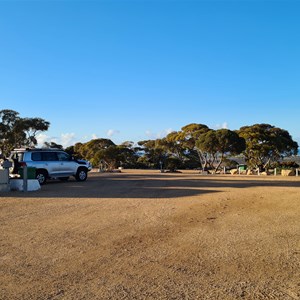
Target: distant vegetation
{"x":194,"y":146}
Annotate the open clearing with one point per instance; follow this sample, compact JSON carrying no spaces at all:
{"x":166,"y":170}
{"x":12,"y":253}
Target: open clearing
{"x":151,"y":235}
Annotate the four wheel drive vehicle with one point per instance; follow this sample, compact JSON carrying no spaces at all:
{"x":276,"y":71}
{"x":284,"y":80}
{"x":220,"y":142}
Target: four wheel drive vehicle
{"x":50,"y":163}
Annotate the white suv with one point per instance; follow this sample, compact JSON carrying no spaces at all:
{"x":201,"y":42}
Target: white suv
{"x":50,"y":163}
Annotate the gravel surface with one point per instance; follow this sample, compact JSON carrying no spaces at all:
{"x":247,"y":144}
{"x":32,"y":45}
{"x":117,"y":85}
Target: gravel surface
{"x":150,"y":235}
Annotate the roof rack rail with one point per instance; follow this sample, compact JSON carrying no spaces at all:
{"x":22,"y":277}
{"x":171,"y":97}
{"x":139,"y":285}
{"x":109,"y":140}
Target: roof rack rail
{"x":37,"y":149}
{"x":22,"y":149}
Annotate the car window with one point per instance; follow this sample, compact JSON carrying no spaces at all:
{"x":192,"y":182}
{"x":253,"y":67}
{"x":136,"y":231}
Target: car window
{"x":36,"y":156}
{"x":62,"y":156}
{"x":18,"y":156}
{"x":49,"y":156}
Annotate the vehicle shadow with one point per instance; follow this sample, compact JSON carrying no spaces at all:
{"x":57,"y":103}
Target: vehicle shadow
{"x":150,"y":185}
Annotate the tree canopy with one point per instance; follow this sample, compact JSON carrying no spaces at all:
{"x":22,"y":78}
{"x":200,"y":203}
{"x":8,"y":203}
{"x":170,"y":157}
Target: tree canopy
{"x":17,"y":132}
{"x":194,"y":146}
{"x":105,"y":153}
{"x":214,"y":145}
{"x":266,"y":144}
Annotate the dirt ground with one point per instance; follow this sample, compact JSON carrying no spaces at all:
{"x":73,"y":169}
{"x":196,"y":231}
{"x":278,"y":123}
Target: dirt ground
{"x":151,"y":235}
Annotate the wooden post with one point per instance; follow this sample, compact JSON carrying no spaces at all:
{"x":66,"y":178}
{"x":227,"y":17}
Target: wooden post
{"x":275,"y":172}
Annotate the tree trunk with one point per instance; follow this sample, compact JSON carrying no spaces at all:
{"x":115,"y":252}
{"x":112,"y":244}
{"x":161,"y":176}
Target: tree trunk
{"x":201,"y":160}
{"x":220,"y":162}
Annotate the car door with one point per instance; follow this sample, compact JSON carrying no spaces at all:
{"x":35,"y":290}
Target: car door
{"x":51,"y":163}
{"x":66,"y":164}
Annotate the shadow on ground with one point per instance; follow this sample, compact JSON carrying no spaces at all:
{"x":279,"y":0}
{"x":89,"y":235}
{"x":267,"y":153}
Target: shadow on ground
{"x":154,"y":185}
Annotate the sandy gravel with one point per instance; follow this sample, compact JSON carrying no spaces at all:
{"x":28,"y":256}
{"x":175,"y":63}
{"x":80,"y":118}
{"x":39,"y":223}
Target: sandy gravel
{"x":147,"y":235}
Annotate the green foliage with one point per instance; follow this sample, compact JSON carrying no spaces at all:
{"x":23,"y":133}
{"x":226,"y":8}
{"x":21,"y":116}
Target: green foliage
{"x":182,"y":144}
{"x":18,"y":132}
{"x":229,"y":142}
{"x":53,"y":145}
{"x":89,"y":149}
{"x":104,"y":153}
{"x":190,"y":133}
{"x":127,"y":155}
{"x":266,"y":143}
{"x":193,"y":146}
{"x":108,"y":156}
{"x":194,"y":130}
{"x":172,"y":163}
{"x":214,"y":145}
{"x":70,"y":150}
{"x":155,"y":151}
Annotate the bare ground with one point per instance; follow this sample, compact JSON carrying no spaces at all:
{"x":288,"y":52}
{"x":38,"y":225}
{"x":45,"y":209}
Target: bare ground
{"x":147,"y":235}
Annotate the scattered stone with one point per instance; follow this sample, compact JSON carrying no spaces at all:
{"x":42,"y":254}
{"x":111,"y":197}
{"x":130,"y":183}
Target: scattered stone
{"x":233,"y":171}
{"x":287,"y":172}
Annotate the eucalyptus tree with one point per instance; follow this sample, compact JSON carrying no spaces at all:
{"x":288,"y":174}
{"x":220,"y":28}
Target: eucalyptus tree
{"x":190,"y":133}
{"x":89,"y":149}
{"x":105,"y":152}
{"x":31,"y":127}
{"x":53,"y":145}
{"x":17,"y":132}
{"x":128,"y":154}
{"x":266,"y":143}
{"x":188,"y":137}
{"x":229,"y":144}
{"x":179,"y":147}
{"x":215,"y":145}
{"x":174,"y":145}
{"x":155,"y":152}
{"x":107,"y":156}
{"x":206,"y":145}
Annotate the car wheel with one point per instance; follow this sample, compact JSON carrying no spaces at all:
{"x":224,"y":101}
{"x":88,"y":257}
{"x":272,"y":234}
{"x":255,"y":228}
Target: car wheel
{"x":81,"y":175}
{"x":63,"y":178}
{"x":41,"y":176}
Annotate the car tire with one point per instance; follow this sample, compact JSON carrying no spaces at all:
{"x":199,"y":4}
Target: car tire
{"x":81,"y":174}
{"x":41,"y":176}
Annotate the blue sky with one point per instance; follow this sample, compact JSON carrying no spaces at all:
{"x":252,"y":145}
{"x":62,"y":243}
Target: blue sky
{"x":133,"y":70}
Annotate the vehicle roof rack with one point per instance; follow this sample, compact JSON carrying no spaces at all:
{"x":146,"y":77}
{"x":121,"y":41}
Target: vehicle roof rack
{"x":38,"y":149}
{"x":22,"y":149}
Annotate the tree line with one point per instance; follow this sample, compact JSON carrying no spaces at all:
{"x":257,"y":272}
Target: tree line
{"x":194,"y":146}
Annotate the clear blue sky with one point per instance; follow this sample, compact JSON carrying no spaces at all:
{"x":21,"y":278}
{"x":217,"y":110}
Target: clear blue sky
{"x":133,"y":70}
